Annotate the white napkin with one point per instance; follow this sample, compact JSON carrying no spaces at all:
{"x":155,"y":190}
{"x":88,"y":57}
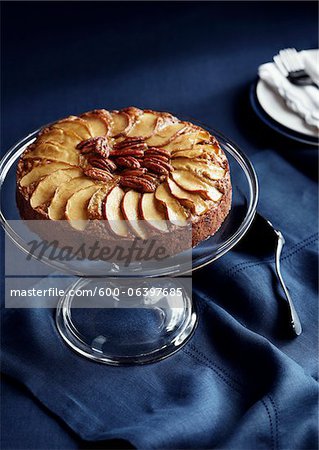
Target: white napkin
{"x":303,"y":100}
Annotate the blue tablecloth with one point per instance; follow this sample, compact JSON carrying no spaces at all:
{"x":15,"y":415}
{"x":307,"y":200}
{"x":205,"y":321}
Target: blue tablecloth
{"x":241,"y":382}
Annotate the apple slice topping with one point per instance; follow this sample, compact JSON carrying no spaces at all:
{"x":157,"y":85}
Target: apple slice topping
{"x":124,"y":120}
{"x":185,"y":141}
{"x":191,"y":200}
{"x":40,"y":171}
{"x":203,"y":135}
{"x":191,"y":182}
{"x":153,"y":212}
{"x":99,"y":121}
{"x":96,"y":202}
{"x":166,"y":119}
{"x":130,"y":210}
{"x":58,"y":203}
{"x":163,"y":136}
{"x":76,"y":208}
{"x":48,"y":185}
{"x":75,"y":124}
{"x":57,"y":136}
{"x":121,"y":122}
{"x":212,"y":148}
{"x":190,"y":153}
{"x":176,"y":214}
{"x":197,"y":151}
{"x":200,"y":167}
{"x":54,"y":152}
{"x":145,"y":126}
{"x":113,"y":213}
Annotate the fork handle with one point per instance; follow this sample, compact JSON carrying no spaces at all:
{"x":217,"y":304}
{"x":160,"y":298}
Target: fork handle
{"x":302,"y":81}
{"x":294,"y":318}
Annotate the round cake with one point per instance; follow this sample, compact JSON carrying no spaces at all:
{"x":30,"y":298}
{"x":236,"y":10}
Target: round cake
{"x":137,"y":170}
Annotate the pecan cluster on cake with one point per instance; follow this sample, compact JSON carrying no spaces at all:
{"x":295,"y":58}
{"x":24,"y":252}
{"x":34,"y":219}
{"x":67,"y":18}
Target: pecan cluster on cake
{"x":131,"y":168}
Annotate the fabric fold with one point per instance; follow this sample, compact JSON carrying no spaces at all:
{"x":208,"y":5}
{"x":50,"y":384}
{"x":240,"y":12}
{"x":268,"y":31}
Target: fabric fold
{"x":241,"y":382}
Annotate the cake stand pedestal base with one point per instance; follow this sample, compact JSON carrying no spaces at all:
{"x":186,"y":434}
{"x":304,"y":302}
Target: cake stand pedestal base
{"x":123,"y":325}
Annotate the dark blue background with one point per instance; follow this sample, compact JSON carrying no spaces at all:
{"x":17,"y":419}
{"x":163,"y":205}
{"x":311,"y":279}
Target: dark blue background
{"x":197,"y":59}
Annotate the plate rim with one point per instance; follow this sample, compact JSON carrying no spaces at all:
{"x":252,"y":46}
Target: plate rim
{"x":272,"y":123}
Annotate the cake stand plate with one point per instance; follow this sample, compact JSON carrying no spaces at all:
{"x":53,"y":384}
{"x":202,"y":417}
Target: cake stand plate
{"x":127,"y":327}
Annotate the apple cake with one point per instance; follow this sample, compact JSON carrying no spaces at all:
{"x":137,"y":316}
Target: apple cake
{"x":136,"y":170}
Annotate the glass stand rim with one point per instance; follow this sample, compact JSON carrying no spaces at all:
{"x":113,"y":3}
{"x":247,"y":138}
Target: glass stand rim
{"x":207,"y":255}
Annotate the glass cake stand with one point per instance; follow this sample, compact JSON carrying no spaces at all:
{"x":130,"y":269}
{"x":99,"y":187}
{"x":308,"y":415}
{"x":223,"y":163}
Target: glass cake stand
{"x":129,"y":326}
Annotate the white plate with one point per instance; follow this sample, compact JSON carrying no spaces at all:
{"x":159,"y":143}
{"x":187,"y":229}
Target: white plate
{"x":274,"y":105}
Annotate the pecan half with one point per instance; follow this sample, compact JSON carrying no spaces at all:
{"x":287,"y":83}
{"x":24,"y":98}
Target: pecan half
{"x":127,"y":161}
{"x":97,"y":174}
{"x":102,"y":163}
{"x":151,"y":177}
{"x":138,"y":183}
{"x":147,"y":156}
{"x":160,"y":167}
{"x":136,"y":151}
{"x":97,"y":145}
{"x":128,"y":142}
{"x":135,"y":172}
{"x":158,"y":151}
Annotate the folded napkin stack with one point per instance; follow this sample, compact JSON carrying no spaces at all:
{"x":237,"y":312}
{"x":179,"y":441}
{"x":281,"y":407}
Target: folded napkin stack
{"x":303,"y":100}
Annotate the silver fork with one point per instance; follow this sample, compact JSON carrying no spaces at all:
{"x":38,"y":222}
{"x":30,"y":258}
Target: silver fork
{"x":294,"y":319}
{"x":280,"y":242}
{"x":290,"y":64}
